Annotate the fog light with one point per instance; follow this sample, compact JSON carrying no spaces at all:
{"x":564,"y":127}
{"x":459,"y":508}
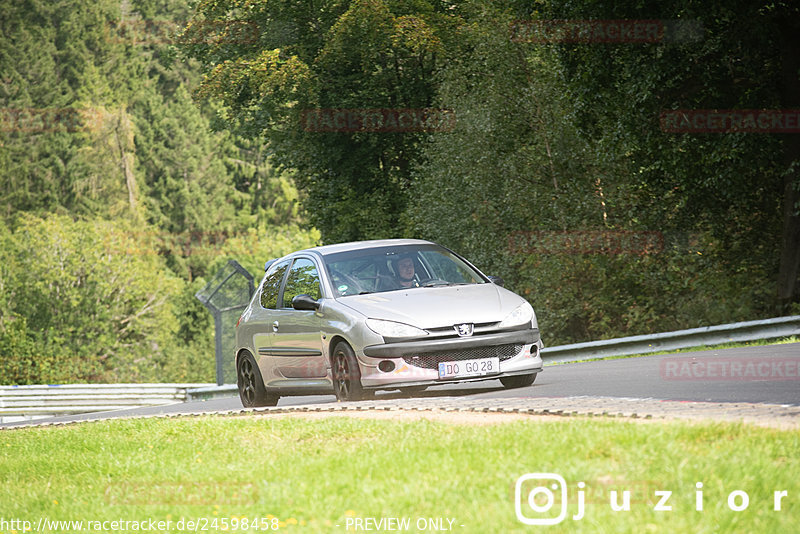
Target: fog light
{"x":387,"y":366}
{"x":534,"y":350}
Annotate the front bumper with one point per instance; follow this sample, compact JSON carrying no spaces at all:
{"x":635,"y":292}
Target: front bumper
{"x":411,"y":348}
{"x":416,"y":362}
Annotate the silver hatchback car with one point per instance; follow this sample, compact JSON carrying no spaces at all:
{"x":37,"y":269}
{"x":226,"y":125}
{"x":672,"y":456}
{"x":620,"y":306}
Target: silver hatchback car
{"x":354,"y":318}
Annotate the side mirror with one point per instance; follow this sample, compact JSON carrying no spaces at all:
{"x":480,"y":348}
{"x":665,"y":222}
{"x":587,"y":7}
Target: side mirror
{"x":305,"y":302}
{"x":496,"y":280}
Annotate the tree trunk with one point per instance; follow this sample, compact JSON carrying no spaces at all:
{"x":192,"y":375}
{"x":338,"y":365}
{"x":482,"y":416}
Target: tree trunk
{"x":123,"y":134}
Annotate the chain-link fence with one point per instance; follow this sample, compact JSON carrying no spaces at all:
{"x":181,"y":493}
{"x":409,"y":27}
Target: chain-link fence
{"x":225,"y":296}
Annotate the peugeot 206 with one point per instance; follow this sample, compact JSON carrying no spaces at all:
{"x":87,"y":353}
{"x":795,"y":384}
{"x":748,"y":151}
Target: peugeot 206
{"x":354,"y":318}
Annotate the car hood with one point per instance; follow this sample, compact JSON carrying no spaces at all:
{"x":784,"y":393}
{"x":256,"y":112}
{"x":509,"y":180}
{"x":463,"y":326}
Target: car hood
{"x":436,"y":307}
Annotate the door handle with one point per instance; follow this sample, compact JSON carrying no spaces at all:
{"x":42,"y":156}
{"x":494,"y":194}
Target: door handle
{"x":275,"y":326}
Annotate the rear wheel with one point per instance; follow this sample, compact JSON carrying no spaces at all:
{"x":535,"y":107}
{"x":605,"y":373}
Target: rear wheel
{"x":346,"y":375}
{"x":251,"y":386}
{"x":518,"y":381}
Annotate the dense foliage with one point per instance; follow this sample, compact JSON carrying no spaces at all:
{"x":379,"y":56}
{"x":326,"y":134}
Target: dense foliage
{"x":337,"y":55}
{"x":541,"y":157}
{"x":144,"y":143}
{"x":119,"y":198}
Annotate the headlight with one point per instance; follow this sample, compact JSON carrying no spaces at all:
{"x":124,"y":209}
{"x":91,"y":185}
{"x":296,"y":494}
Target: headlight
{"x":521,"y":315}
{"x":394,"y":330}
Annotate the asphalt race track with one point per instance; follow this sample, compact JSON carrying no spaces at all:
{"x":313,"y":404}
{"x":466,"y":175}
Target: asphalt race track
{"x":766,"y":374}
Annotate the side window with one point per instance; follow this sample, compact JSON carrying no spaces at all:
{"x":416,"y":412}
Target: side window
{"x":303,"y":279}
{"x":269,"y":291}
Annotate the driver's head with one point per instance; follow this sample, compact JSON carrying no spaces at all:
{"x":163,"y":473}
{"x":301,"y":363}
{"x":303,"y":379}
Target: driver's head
{"x":404,"y":267}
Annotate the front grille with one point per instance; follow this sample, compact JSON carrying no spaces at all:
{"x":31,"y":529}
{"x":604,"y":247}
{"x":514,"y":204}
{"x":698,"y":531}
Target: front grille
{"x":450,"y":331}
{"x":431,"y":360}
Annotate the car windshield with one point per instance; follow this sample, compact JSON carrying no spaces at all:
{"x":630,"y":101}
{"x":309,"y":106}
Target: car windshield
{"x":393,"y":268}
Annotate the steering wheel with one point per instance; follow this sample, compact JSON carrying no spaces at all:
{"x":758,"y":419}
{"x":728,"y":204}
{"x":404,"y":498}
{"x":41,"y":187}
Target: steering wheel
{"x":345,"y":284}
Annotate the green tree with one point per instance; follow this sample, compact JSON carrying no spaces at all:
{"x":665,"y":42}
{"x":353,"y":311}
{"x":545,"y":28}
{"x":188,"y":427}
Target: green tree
{"x":361,"y":54}
{"x":97,"y":126}
{"x":741,"y":187}
{"x":96,"y":298}
{"x":518,"y":189}
{"x":65,"y":140}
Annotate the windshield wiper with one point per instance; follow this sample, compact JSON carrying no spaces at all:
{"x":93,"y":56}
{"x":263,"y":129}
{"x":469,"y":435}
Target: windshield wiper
{"x":442,"y":283}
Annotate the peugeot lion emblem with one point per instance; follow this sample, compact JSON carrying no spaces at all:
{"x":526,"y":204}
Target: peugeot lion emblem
{"x":464,"y":330}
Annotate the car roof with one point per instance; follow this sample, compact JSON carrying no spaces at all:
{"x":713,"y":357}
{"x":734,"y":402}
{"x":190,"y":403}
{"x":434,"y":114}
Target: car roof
{"x":359,"y":245}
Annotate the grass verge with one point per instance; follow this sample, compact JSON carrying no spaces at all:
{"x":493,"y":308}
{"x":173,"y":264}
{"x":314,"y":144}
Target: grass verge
{"x":325,"y":475}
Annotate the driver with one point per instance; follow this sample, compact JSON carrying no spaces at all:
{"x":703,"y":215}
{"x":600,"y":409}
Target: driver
{"x":404,"y":269}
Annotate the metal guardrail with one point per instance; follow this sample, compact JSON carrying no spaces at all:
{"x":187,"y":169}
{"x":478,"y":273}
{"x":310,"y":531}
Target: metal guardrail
{"x":212,"y":392}
{"x":680,"y":339}
{"x":34,"y":402}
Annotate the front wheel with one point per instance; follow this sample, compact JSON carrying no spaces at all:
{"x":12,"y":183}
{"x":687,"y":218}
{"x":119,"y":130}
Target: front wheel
{"x":518,"y":381}
{"x":346,"y":375}
{"x":251,"y":386}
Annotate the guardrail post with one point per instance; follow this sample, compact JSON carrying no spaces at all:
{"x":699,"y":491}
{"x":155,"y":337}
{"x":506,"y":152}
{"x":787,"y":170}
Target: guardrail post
{"x":218,"y":348}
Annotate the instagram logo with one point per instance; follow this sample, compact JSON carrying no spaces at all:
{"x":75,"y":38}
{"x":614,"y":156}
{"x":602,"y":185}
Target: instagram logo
{"x":535,"y":496}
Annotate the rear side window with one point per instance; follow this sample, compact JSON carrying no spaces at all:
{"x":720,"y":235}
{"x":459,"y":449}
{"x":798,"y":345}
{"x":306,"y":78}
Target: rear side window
{"x":272,"y":283}
{"x":303,"y":279}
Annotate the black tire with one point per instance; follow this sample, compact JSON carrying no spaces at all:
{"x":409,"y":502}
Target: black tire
{"x":518,"y":381}
{"x":251,"y":386}
{"x":346,"y":375}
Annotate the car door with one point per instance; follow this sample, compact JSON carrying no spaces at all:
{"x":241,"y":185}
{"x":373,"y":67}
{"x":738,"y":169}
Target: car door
{"x":296,"y":344}
{"x":260,"y":324}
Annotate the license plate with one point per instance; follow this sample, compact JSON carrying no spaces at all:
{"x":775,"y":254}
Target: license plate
{"x":466,"y":368}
